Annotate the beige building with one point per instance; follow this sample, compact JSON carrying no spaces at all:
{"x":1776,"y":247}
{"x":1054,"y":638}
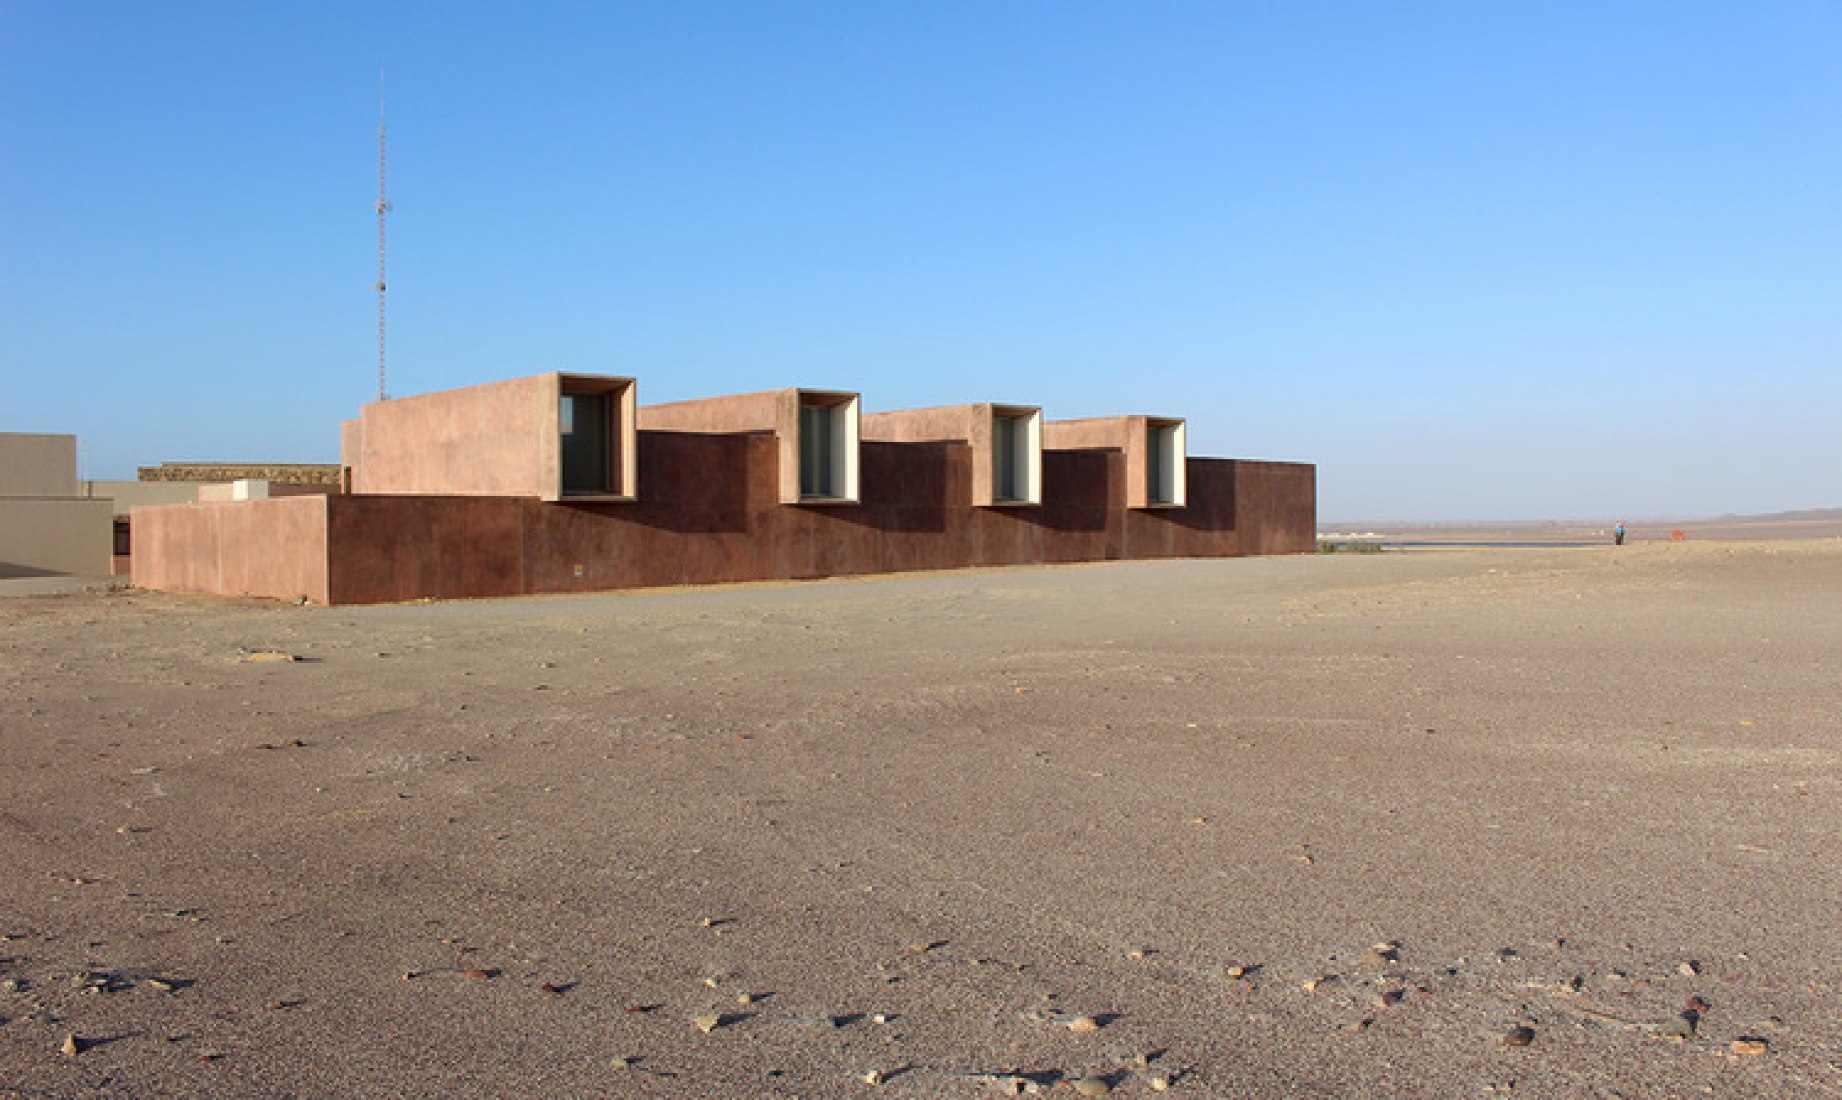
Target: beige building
{"x":46,"y":527}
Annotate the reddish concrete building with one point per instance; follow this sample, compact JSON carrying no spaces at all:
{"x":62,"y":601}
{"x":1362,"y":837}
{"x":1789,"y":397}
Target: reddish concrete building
{"x":562,"y":482}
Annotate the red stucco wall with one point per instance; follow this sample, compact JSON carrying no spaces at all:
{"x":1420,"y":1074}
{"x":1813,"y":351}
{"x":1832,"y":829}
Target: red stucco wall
{"x":709,"y":512}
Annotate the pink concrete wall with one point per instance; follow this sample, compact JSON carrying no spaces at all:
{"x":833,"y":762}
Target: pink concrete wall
{"x":497,"y":439}
{"x":275,"y":547}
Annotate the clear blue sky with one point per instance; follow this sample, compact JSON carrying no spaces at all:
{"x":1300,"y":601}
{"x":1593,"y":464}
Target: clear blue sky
{"x":1475,"y":260}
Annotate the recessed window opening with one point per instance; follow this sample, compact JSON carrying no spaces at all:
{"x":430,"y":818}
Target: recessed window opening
{"x":587,"y":427}
{"x":816,"y":473}
{"x":1164,"y":459}
{"x":827,"y":447}
{"x":1005,"y":464}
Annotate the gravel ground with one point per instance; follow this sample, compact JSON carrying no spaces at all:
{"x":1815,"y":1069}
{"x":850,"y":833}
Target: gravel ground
{"x":1488,"y":822}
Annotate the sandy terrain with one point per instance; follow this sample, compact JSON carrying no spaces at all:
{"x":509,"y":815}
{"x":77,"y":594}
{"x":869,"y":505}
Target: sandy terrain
{"x":1818,"y":523}
{"x":918,"y":826}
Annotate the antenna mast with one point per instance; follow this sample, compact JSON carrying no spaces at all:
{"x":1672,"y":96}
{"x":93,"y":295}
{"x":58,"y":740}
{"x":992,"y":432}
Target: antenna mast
{"x":383,"y":207}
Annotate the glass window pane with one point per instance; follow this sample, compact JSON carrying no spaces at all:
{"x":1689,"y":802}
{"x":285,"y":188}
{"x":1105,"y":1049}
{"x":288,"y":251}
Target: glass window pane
{"x":1004,"y":459}
{"x":815,"y":451}
{"x":584,"y":426}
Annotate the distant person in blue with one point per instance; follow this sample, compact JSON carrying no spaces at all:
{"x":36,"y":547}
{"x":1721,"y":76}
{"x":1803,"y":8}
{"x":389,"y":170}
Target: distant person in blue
{"x":1618,"y":533}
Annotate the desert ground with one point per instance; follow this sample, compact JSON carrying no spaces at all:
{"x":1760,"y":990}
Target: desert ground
{"x":1542,"y":822}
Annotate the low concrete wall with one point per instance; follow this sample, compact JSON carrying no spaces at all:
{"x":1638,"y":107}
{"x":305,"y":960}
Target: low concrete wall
{"x":275,"y":547}
{"x":128,"y":495}
{"x":709,"y":513}
{"x":42,"y":536}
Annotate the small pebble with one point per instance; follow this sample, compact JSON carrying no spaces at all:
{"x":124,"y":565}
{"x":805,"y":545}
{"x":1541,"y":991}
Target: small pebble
{"x":1237,"y":972}
{"x":625,"y":1061}
{"x":1689,"y":969}
{"x":1091,"y":1086}
{"x":745,"y":998}
{"x":1679,"y":1028}
{"x":1749,"y":1046}
{"x":709,"y":1023}
{"x":1084,"y":1024}
{"x":874,"y":1077}
{"x":1387,"y":998}
{"x":72,"y":1046}
{"x":1159,"y":1082}
{"x":1519,"y":1036}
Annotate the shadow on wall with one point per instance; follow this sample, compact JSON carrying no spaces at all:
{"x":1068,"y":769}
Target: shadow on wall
{"x":904,"y":487}
{"x":1076,"y":489}
{"x":10,"y":570}
{"x":688,"y":482}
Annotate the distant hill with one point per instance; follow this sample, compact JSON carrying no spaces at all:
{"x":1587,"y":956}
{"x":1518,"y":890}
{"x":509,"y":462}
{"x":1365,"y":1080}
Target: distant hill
{"x":1773,"y":517}
{"x":1807,"y":523}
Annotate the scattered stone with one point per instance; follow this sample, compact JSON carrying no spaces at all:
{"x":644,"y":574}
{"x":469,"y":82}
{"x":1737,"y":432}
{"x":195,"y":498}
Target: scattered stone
{"x":477,"y":974}
{"x":1136,"y":953}
{"x":1359,"y":1025}
{"x":818,"y":1023}
{"x":1689,"y":969}
{"x":1387,"y":998}
{"x":1519,"y":1036}
{"x":873,"y":1078}
{"x":13,"y":985}
{"x":73,"y":1046}
{"x":708,"y":1023}
{"x":1696,"y":1005}
{"x":625,"y":1061}
{"x":879,"y":1018}
{"x":268,"y":655}
{"x":1083,"y":1024}
{"x":1091,"y":1086}
{"x":1679,"y":1028}
{"x":745,"y":998}
{"x":1159,"y":1082}
{"x":1749,"y":1045}
{"x":1236,"y":972}
{"x":1386,"y":952}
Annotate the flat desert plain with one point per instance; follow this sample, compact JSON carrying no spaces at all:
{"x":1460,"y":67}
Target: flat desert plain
{"x":1549,"y":822}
